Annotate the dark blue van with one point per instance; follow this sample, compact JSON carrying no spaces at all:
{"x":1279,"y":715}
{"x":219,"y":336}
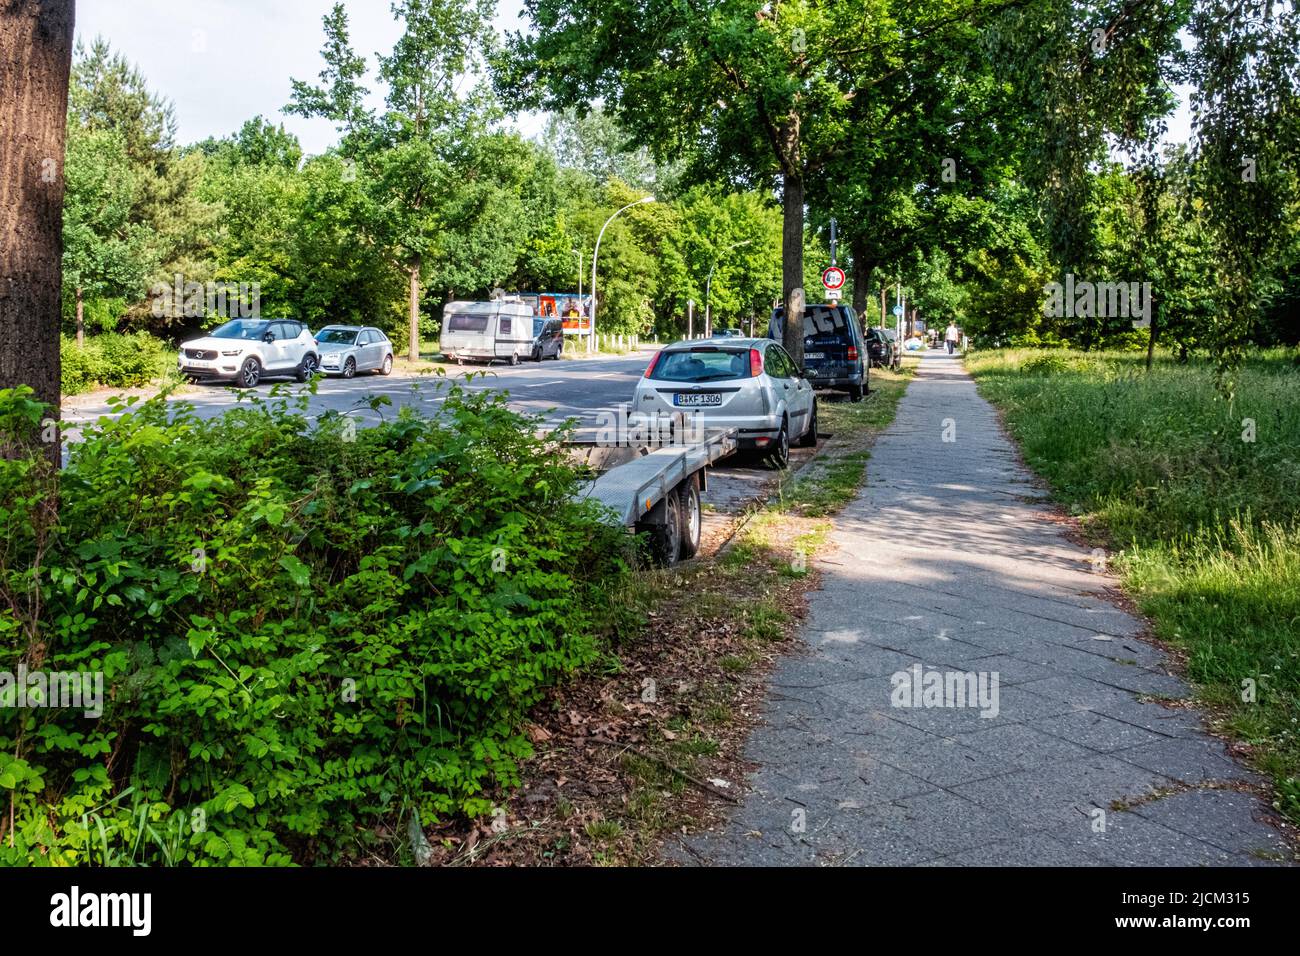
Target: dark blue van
{"x":834,"y":354}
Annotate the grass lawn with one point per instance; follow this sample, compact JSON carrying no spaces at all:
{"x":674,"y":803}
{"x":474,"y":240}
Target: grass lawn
{"x":1200,"y":501}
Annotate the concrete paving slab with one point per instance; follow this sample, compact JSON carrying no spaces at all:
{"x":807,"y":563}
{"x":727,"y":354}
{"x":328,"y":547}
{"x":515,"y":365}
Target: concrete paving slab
{"x":1029,"y":729}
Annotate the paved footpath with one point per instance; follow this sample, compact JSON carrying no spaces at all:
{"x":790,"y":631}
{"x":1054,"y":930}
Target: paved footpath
{"x":948,"y":561}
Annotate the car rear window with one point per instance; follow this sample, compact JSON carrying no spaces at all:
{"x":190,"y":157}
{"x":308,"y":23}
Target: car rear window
{"x":467,"y":322}
{"x":817,"y":320}
{"x":702,"y":365}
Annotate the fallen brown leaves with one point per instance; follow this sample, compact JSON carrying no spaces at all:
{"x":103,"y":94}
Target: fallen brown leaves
{"x":624,"y":759}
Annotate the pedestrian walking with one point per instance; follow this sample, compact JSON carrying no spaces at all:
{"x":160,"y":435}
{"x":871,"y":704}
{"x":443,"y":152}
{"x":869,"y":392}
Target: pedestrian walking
{"x":952,"y":336}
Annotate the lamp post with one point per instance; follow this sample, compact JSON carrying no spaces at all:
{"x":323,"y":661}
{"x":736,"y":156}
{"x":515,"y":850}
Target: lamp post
{"x":595,"y":256}
{"x":708,"y":287}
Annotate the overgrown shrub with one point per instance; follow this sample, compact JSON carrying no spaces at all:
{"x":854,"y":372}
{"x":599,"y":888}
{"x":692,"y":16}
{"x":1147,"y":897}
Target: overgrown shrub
{"x":79,"y":367}
{"x":112,"y":359}
{"x":307,"y":633}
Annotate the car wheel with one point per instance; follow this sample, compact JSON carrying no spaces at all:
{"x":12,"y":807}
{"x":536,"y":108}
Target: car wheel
{"x":778,"y":455}
{"x":809,"y":439}
{"x":387,"y":367}
{"x":350,"y":368}
{"x":855,"y":393}
{"x":307,"y":367}
{"x":514,"y":358}
{"x":250,"y":373}
{"x":559,"y":351}
{"x":537,"y":355}
{"x":691,"y":518}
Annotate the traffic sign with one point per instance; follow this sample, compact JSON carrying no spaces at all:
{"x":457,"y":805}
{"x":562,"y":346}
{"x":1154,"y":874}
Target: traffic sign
{"x":833,"y":279}
{"x":898,"y":311}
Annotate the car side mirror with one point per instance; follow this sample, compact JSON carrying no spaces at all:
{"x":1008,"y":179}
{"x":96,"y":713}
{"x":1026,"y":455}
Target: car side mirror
{"x":268,"y":337}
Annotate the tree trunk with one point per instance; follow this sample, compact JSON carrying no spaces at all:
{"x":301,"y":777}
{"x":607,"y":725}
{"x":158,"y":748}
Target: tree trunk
{"x":413,"y":344}
{"x":792,"y":290}
{"x":863,"y":267}
{"x":81,"y":317}
{"x":35,"y":60}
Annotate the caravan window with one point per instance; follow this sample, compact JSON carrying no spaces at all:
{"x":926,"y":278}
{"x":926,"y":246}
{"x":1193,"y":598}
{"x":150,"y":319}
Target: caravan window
{"x":506,"y":325}
{"x":467,"y":322}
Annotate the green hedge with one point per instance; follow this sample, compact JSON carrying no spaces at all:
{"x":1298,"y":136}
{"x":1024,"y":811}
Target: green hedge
{"x":307,"y":632}
{"x":112,"y":359}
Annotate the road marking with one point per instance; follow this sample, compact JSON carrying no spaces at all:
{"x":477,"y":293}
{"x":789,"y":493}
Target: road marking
{"x":542,"y":384}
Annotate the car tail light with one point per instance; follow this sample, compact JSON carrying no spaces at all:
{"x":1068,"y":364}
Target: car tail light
{"x":853,"y":353}
{"x":653,"y":362}
{"x":755,"y":363}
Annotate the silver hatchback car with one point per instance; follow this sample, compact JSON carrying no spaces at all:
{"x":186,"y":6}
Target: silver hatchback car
{"x":751,"y":385}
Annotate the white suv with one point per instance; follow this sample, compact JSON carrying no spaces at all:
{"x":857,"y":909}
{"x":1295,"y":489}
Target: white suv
{"x":244,"y":350}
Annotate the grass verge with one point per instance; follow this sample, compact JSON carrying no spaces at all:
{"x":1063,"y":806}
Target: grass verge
{"x":1200,"y":500}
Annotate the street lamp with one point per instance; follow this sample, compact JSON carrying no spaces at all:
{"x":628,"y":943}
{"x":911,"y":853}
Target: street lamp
{"x":708,"y":286}
{"x":591,"y":335}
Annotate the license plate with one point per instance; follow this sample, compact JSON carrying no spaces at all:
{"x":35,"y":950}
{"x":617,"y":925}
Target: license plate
{"x":815,"y":355}
{"x":695,"y":399}
{"x":198,"y":363}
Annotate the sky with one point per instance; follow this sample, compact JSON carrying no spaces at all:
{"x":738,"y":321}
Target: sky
{"x":222,"y":62}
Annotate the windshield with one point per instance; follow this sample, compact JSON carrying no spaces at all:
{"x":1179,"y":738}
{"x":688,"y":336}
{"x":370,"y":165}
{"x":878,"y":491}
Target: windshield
{"x":700,"y":365}
{"x":538,"y":325}
{"x":337,"y":336}
{"x":241,"y":329}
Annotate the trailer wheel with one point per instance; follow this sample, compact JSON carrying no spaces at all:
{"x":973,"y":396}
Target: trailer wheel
{"x":689,"y":507}
{"x":663,"y":529}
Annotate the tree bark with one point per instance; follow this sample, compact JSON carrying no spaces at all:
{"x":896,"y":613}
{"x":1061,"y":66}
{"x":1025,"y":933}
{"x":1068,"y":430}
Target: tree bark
{"x":863,"y":267}
{"x":792,"y":290}
{"x":413,"y":343}
{"x":35,"y":61}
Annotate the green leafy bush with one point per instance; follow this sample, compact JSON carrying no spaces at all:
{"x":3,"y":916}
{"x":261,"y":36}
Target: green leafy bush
{"x":306,"y":633}
{"x":80,"y":368}
{"x":112,"y":359}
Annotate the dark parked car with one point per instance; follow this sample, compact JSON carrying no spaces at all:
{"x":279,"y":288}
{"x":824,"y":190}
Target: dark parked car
{"x":880,"y":347}
{"x":834,"y":354}
{"x":548,"y":339}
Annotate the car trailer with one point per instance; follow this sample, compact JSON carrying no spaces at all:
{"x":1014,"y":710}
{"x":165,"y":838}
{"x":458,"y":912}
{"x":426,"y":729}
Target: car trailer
{"x":654,"y":487}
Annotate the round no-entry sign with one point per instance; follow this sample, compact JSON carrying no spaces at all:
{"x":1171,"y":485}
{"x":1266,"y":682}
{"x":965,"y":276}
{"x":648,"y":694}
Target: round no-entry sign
{"x":833,"y":278}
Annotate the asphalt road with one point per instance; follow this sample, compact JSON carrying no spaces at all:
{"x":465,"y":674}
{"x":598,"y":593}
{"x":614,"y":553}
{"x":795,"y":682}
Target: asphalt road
{"x":555,"y":391}
{"x":569,"y":388}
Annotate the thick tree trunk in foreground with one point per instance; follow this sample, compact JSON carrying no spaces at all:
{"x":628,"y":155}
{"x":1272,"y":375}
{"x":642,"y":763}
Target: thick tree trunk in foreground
{"x":792,"y":291}
{"x":35,"y":60}
{"x":413,"y":344}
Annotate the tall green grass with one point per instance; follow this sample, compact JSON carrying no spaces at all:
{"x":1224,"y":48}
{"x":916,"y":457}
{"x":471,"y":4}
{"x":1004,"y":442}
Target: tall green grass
{"x":1200,"y":498}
